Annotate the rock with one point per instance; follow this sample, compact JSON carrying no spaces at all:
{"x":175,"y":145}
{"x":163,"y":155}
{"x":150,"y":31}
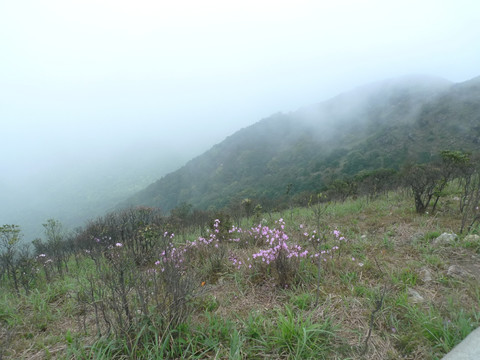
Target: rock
{"x":414,"y":296}
{"x":458,"y":272}
{"x":363,"y":237}
{"x":467,"y":349}
{"x":445,"y":239}
{"x":426,"y":275}
{"x":472,"y":238}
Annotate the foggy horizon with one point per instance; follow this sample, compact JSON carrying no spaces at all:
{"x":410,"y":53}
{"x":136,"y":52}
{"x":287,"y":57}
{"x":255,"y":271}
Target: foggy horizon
{"x":92,"y":89}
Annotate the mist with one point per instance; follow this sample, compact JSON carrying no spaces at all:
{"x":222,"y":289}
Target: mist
{"x":98,"y":99}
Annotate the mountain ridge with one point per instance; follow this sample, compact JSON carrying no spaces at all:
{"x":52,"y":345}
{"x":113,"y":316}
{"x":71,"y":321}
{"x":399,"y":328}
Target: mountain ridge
{"x":378,"y":125}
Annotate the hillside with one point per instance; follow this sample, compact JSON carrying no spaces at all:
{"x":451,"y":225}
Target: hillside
{"x":400,"y":285}
{"x":380,"y":125}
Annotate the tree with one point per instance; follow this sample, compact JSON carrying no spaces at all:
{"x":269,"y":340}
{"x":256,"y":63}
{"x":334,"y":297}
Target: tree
{"x":288,"y":193}
{"x":454,"y":164}
{"x":180,"y":217}
{"x":25,"y":264}
{"x":471,"y":203}
{"x":9,"y":240}
{"x":55,"y":234}
{"x":377,"y":181}
{"x":423,"y":180}
{"x":343,"y":188}
{"x":248,"y":206}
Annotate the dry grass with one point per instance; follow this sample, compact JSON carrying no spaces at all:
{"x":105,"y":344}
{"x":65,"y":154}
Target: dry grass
{"x":395,"y":251}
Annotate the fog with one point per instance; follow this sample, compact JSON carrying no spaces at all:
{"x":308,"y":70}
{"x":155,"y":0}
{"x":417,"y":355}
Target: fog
{"x":100,"y":98}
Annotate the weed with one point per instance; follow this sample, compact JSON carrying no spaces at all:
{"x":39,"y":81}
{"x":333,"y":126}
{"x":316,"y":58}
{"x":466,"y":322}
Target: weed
{"x":303,"y":301}
{"x":298,"y":336}
{"x":429,"y":236}
{"x":349,"y":277}
{"x":209,"y":303}
{"x":388,"y":244}
{"x":405,"y":276}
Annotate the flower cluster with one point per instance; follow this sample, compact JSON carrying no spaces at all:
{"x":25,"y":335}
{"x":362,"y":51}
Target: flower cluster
{"x":104,"y":240}
{"x":277,"y":241}
{"x":276,"y":247}
{"x":172,"y":255}
{"x":236,"y":262}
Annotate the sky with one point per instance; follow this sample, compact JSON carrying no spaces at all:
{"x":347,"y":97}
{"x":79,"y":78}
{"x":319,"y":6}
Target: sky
{"x":89,"y":83}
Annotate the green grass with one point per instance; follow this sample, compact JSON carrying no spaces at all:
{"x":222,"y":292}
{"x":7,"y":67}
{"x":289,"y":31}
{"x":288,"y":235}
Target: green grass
{"x":299,"y":337}
{"x":405,"y":277}
{"x":442,"y":331}
{"x":9,"y":313}
{"x":243,"y":313}
{"x":303,"y":301}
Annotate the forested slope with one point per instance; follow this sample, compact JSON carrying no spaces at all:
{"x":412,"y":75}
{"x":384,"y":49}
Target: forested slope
{"x":381,"y":125}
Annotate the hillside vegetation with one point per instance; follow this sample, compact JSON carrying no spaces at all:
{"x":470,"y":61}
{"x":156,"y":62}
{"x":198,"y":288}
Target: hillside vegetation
{"x":366,"y":278}
{"x":380,"y":126}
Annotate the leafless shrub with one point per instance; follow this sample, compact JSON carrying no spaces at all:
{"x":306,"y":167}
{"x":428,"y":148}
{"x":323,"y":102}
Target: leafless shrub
{"x":125,"y":296}
{"x":471,"y":203}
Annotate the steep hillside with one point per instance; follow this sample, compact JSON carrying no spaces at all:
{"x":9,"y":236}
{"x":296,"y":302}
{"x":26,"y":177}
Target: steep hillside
{"x":380,"y":125}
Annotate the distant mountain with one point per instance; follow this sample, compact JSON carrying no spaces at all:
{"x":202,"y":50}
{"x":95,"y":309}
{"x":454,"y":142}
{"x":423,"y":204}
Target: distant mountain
{"x":380,"y":125}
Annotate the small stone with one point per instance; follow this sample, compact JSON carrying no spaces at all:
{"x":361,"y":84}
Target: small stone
{"x":414,"y":296}
{"x":417,"y":237}
{"x":426,"y":275}
{"x":472,"y":238}
{"x":444,"y":239}
{"x":363,"y":237}
{"x":458,"y":272}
